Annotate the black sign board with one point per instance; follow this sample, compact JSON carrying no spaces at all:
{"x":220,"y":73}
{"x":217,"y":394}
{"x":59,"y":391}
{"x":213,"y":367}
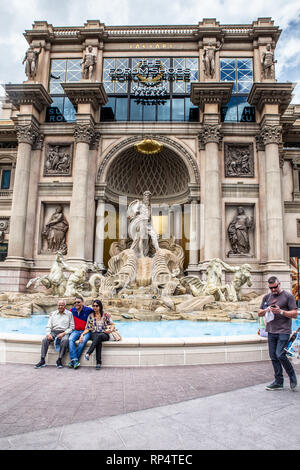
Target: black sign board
{"x":53,"y":114}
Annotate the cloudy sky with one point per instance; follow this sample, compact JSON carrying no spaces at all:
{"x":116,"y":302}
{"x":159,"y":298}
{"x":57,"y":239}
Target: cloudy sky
{"x":18,"y":15}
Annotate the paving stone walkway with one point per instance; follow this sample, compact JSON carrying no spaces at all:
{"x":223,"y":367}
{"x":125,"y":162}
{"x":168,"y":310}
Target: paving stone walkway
{"x":44,"y":408}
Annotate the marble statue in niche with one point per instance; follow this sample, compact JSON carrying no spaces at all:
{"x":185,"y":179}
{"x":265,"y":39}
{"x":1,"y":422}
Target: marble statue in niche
{"x":238,"y":233}
{"x":239,"y":160}
{"x":55,"y":231}
{"x":140,"y":228}
{"x":58,"y":160}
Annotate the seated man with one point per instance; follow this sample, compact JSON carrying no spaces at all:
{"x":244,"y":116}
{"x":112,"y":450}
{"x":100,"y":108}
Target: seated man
{"x":60,"y":325}
{"x":80,"y":314}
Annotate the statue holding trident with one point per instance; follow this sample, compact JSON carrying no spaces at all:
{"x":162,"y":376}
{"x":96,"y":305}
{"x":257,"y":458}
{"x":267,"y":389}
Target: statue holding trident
{"x":140,"y":227}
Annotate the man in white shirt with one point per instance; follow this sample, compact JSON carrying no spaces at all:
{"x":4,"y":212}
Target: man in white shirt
{"x":60,"y":325}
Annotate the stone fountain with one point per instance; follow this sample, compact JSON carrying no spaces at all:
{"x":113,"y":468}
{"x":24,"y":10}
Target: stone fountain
{"x":144,"y":281}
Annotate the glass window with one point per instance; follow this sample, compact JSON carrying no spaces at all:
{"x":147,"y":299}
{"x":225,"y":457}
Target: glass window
{"x":5,"y":179}
{"x":121,"y":109}
{"x":120,"y":85}
{"x":178,"y":109}
{"x":136,"y":111}
{"x":69,"y":110}
{"x":163,"y":112}
{"x":62,"y":70}
{"x":164,"y":97}
{"x":229,"y":112}
{"x":240,"y":72}
{"x":149,"y":112}
{"x":191,"y":111}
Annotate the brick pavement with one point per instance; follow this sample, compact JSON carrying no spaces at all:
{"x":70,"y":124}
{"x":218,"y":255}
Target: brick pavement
{"x":32,"y":400}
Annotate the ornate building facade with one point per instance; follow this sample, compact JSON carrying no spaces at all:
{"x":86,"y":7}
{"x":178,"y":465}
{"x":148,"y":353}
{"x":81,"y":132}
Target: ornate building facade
{"x":225,"y":180}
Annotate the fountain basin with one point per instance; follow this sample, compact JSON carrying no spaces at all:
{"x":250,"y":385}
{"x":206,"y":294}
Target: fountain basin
{"x":139,"y":352}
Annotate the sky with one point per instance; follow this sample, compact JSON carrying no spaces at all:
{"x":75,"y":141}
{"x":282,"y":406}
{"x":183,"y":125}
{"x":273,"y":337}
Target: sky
{"x":18,"y":15}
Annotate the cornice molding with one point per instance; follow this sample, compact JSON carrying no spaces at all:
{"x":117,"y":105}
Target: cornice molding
{"x":210,"y":92}
{"x":271,"y":93}
{"x":28,"y":93}
{"x":86,"y":92}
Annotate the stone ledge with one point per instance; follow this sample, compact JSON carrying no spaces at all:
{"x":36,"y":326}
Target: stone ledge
{"x":138,"y":352}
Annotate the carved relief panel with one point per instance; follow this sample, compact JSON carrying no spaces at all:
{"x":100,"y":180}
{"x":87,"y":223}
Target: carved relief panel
{"x":58,"y":159}
{"x":54,"y":228}
{"x":239,"y":160}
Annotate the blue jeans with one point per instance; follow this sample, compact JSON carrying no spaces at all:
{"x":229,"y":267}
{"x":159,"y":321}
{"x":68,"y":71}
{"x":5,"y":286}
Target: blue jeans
{"x":277,"y":343}
{"x":75,"y":352}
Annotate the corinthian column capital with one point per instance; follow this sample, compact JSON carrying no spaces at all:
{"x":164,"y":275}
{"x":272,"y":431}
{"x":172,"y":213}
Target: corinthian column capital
{"x":27,"y":133}
{"x":271,"y":135}
{"x":84,"y":133}
{"x":210,"y":133}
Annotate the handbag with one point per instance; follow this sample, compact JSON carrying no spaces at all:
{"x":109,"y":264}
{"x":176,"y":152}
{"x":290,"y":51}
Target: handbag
{"x":115,"y":335}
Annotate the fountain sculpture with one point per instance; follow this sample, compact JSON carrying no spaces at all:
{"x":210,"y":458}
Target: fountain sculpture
{"x":145,"y":278}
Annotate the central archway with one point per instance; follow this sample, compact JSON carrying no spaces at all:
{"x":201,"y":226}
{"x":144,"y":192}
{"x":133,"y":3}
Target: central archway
{"x":171,"y":176}
{"x":165,"y":175}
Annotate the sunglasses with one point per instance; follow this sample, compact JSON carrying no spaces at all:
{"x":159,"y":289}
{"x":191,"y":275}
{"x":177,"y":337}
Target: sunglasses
{"x":96,"y":305}
{"x":274,"y":287}
{"x":77,"y":302}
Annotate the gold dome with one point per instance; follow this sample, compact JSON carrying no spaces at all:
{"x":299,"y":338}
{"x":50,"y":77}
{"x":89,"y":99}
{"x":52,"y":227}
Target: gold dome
{"x":148,"y":147}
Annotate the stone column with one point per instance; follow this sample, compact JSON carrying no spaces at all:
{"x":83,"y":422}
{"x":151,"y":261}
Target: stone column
{"x":26,"y":135}
{"x":271,"y":136}
{"x":99,"y":235}
{"x":33,"y":198}
{"x":211,"y":137}
{"x":31,"y":98}
{"x":194,"y":236}
{"x":271,"y":100}
{"x":88,"y":97}
{"x":210,"y":96}
{"x":83,"y":135}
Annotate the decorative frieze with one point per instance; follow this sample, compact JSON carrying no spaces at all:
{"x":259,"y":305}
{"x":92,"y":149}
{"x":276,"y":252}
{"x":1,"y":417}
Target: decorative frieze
{"x":58,"y":160}
{"x":239,"y":160}
{"x":271,"y":134}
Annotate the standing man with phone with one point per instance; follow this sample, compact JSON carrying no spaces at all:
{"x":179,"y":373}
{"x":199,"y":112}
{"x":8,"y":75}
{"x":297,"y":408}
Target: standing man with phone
{"x":279,"y":307}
